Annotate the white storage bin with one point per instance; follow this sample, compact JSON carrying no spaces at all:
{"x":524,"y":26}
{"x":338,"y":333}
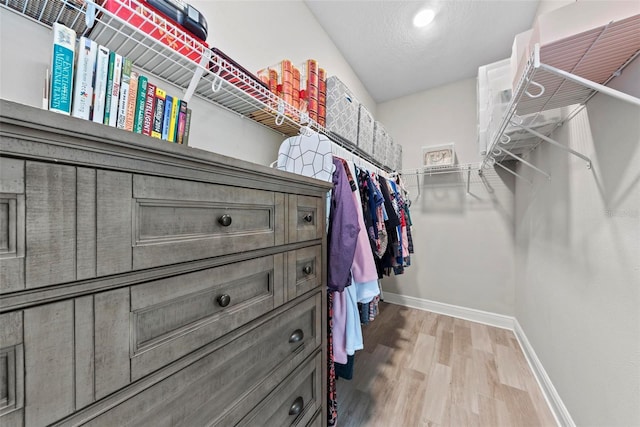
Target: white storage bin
{"x":579,"y":17}
{"x":520,"y":53}
{"x":365,"y":130}
{"x":397,"y":150}
{"x":390,"y":147}
{"x":380,"y":141}
{"x":342,"y":110}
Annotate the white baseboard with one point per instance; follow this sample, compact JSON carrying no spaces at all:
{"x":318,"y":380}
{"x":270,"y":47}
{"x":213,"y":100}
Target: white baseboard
{"x":563,"y":418}
{"x":557,"y":407}
{"x":473,"y":315}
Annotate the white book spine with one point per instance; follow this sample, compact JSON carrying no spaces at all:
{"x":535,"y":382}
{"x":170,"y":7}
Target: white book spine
{"x":83,"y":87}
{"x":64,"y":40}
{"x":115,"y":91}
{"x":100,"y":89}
{"x":124,"y":93}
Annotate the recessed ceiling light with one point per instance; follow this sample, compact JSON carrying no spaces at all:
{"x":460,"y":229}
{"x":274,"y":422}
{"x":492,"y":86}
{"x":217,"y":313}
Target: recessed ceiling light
{"x":423,"y":18}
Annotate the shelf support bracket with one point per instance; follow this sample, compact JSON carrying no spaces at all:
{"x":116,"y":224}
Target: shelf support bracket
{"x":592,"y":85}
{"x":469,"y":181}
{"x":517,"y":175}
{"x":520,"y":159}
{"x":554,"y":143}
{"x":197,"y":75}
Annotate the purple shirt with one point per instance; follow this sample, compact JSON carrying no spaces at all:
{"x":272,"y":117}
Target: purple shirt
{"x":343,"y":231}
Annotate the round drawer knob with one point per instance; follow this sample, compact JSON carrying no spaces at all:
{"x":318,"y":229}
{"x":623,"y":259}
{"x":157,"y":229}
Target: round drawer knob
{"x":296,"y":336}
{"x":224,"y":300}
{"x":225,"y":220}
{"x":307,"y":269}
{"x":308,"y":217}
{"x":296,"y":406}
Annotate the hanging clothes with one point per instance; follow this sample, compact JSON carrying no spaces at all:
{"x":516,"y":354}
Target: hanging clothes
{"x":308,"y":155}
{"x":363,"y":267}
{"x":339,"y":327}
{"x":353,"y":328}
{"x":332,"y":398}
{"x":343,"y":231}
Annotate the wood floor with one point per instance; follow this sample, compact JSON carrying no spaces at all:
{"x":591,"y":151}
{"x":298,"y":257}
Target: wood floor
{"x":424,"y":369}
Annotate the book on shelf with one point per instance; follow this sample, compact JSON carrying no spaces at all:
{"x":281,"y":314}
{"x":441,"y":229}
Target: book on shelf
{"x":64,"y":40}
{"x":130,"y":116}
{"x":158,"y":113}
{"x":286,"y":80}
{"x":138,"y":121}
{"x":182,"y":121}
{"x":296,"y":87}
{"x":83,"y":86}
{"x":310,"y":76}
{"x":113,"y":89}
{"x":124,"y":93}
{"x":187,"y":127}
{"x":166,"y":119}
{"x":322,"y":96}
{"x":100,"y":87}
{"x":173,"y":122}
{"x":149,"y":105}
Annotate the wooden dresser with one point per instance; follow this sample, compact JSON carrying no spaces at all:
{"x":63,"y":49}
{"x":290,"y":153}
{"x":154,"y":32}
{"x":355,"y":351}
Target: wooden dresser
{"x":149,"y":284}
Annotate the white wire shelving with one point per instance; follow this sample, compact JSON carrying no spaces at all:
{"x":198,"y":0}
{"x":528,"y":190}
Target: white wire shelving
{"x":566,"y":73}
{"x":464,"y":169}
{"x":175,"y":57}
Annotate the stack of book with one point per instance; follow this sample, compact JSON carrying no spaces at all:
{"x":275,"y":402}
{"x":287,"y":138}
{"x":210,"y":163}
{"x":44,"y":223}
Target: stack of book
{"x":105,"y":88}
{"x":303,"y":87}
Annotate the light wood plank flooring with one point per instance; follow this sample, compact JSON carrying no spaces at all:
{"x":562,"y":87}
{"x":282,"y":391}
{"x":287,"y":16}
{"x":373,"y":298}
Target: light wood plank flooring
{"x":424,"y":369}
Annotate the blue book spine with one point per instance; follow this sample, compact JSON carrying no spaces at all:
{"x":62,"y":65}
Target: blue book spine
{"x":168,"y":105}
{"x":64,"y":40}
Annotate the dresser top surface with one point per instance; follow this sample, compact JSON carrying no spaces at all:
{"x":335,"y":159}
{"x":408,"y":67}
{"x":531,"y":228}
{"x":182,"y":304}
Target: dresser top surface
{"x":62,"y":131}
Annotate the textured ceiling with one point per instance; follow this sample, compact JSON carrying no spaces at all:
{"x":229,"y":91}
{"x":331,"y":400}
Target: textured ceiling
{"x":392,"y":58}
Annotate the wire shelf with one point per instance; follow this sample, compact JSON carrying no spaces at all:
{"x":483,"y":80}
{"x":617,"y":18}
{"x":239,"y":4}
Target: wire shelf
{"x":565,"y":73}
{"x":174,"y":56}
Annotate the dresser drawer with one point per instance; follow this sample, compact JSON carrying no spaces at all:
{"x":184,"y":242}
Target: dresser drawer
{"x":294,"y":402}
{"x":306,"y":218}
{"x":80,"y":223}
{"x":222,"y":387}
{"x":174,"y":316}
{"x":176,"y":220}
{"x":304,"y":271}
{"x":317,"y":420}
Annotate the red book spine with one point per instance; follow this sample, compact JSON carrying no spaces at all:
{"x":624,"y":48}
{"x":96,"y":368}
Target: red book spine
{"x":149,"y":103}
{"x":296,"y":88}
{"x":312,"y":88}
{"x":287,"y":81}
{"x":322,"y":96}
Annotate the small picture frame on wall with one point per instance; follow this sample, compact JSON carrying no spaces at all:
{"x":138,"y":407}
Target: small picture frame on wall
{"x":438,"y":155}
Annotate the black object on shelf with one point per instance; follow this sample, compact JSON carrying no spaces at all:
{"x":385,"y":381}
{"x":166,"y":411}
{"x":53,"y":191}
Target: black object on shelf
{"x":183,"y":14}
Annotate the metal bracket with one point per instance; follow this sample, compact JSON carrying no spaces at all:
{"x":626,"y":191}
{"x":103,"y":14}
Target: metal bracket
{"x":554,"y":143}
{"x":592,"y":85}
{"x":523,"y":161}
{"x":197,"y":75}
{"x":514,"y":173}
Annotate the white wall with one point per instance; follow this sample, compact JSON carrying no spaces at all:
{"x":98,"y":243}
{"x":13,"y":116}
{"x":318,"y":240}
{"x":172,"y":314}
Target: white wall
{"x":248,"y":31}
{"x":262,"y":33}
{"x":463,"y":242}
{"x":578,"y":260}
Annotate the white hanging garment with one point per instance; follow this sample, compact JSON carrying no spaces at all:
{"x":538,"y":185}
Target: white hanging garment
{"x":308,"y":155}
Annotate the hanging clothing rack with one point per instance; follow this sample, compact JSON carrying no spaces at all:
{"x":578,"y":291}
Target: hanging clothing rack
{"x":466,"y":168}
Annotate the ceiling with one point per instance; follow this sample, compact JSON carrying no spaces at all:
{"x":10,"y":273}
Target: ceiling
{"x":392,"y":58}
